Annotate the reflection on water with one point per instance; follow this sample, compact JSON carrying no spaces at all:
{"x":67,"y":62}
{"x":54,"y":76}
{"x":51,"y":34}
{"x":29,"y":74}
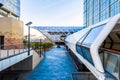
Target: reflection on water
{"x":57,"y":65}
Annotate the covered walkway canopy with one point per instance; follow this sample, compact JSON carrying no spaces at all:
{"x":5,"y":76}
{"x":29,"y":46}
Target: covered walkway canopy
{"x":89,"y":42}
{"x":55,"y":32}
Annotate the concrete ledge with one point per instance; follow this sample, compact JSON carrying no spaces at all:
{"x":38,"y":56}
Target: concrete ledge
{"x":29,"y":63}
{"x":8,"y":62}
{"x":36,"y":59}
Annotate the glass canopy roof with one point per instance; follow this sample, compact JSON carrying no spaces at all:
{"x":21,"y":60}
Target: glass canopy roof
{"x":55,"y":32}
{"x":58,"y":28}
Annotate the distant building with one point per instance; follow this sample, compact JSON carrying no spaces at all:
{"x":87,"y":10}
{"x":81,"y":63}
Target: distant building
{"x":11,"y":28}
{"x":98,"y":10}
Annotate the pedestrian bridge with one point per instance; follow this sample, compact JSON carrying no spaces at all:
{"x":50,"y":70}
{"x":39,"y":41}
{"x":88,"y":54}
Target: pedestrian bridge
{"x":11,"y":57}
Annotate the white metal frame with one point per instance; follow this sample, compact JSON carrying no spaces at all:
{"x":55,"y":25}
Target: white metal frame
{"x":71,"y":41}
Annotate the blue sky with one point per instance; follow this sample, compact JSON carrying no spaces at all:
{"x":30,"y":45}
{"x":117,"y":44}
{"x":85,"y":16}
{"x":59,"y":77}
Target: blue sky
{"x":52,"y":12}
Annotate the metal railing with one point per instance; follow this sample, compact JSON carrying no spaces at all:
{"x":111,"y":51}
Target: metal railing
{"x":8,"y":50}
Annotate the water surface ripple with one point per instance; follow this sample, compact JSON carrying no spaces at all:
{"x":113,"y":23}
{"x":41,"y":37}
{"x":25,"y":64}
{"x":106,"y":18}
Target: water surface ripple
{"x":57,"y":65}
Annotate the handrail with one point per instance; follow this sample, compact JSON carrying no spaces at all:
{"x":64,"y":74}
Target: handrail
{"x":8,"y":50}
{"x":111,"y":50}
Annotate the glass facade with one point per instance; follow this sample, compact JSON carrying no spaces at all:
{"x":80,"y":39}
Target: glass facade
{"x":99,"y":10}
{"x":12,"y":5}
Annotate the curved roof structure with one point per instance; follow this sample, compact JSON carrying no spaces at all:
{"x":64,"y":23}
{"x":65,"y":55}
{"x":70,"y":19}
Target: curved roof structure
{"x":104,"y":35}
{"x":55,"y":32}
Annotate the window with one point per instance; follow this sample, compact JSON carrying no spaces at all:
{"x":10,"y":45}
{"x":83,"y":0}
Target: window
{"x":114,"y":9}
{"x":13,"y":5}
{"x":79,"y":49}
{"x":92,"y":35}
{"x":82,"y":38}
{"x":2,"y":1}
{"x":111,"y":63}
{"x":84,"y":52}
{"x":87,"y":55}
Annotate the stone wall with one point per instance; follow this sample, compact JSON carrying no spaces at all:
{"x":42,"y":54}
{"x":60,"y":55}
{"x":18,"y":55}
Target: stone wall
{"x":12,"y":30}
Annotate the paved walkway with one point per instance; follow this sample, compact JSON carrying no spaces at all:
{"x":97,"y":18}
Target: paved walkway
{"x":57,"y":65}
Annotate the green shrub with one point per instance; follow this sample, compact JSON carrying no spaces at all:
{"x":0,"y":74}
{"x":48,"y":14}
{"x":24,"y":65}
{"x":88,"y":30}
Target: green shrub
{"x":25,"y":41}
{"x":36,"y":45}
{"x":47,"y":45}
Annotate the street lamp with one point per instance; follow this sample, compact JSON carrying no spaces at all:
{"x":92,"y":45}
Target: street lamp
{"x":40,"y":46}
{"x":28,"y":24}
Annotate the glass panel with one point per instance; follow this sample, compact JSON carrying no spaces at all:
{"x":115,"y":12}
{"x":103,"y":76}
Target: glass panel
{"x":83,"y":37}
{"x":1,"y":1}
{"x":87,"y":55}
{"x":111,"y":63}
{"x":79,"y":50}
{"x":114,"y":8}
{"x":92,"y":35}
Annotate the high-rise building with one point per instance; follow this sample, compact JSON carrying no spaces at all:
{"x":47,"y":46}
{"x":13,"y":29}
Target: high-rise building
{"x":99,"y":10}
{"x":10,"y":8}
{"x":11,"y":28}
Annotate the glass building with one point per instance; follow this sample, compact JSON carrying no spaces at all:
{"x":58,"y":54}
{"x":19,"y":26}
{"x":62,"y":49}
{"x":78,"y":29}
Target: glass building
{"x":99,"y":10}
{"x":10,"y":8}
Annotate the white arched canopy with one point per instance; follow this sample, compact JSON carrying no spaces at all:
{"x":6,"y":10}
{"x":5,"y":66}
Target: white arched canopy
{"x":102,"y":36}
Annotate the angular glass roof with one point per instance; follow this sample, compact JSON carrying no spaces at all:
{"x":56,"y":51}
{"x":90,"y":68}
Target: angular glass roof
{"x":55,"y":32}
{"x":58,"y":28}
{"x":91,"y":35}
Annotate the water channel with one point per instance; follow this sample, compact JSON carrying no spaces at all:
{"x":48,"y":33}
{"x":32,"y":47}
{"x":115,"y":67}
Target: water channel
{"x":57,"y":65}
